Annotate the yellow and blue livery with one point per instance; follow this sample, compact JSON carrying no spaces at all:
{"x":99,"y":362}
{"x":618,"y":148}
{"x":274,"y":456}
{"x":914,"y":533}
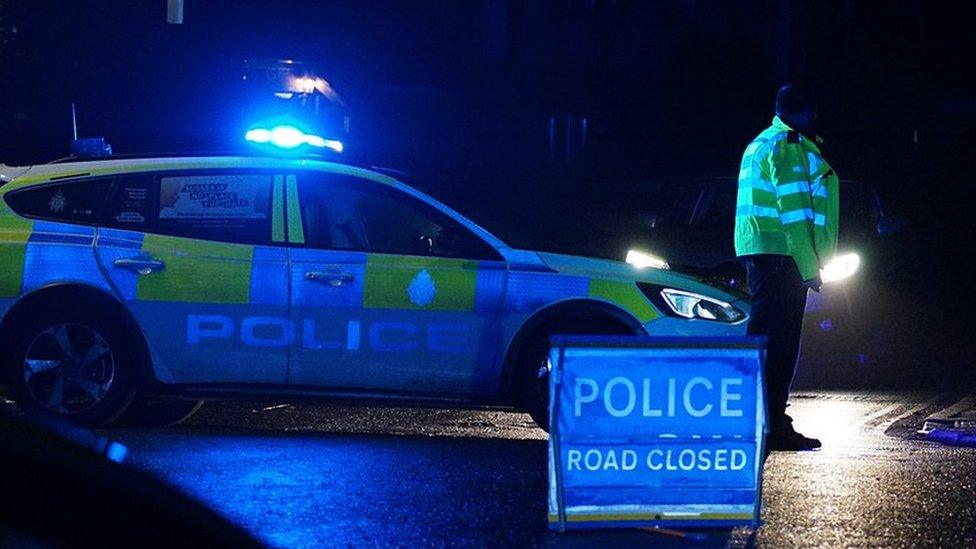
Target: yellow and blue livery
{"x":130,"y":289}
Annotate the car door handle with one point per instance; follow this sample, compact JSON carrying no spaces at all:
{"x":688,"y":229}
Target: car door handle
{"x":333,"y":278}
{"x":141,"y":264}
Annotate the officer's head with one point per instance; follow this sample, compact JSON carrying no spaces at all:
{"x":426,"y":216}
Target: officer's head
{"x":796,"y":107}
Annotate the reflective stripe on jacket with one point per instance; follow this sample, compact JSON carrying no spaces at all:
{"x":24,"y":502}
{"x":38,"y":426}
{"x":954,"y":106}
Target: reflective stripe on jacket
{"x":788,"y":200}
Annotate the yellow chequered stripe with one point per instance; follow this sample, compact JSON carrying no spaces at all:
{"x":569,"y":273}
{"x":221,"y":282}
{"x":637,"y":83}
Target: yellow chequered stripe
{"x":450,"y":283}
{"x":14,"y":233}
{"x":197,"y":271}
{"x":277,"y":211}
{"x":296,"y":231}
{"x":625,"y":295}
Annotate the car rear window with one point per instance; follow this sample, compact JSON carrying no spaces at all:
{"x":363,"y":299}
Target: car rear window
{"x":73,"y":202}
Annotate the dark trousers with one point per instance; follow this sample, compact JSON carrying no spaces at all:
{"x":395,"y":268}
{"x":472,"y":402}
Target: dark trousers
{"x":778,"y":301}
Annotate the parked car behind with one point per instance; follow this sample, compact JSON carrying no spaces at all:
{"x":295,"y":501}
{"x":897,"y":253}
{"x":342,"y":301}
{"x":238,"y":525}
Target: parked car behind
{"x":855,"y":332}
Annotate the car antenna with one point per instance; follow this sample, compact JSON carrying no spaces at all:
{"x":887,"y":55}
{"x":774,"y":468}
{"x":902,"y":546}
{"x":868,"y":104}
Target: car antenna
{"x":74,"y":123}
{"x":90,"y":146}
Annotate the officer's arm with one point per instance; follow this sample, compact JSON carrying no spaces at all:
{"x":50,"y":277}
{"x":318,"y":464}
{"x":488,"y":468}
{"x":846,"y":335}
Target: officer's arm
{"x":788,"y":172}
{"x":824,"y":192}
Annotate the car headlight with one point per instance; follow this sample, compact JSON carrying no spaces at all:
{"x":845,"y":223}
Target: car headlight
{"x":643,"y":260}
{"x":691,"y":305}
{"x":840,"y":267}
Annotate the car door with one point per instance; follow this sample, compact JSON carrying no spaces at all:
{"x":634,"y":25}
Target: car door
{"x":199,"y":260}
{"x":388,"y":293}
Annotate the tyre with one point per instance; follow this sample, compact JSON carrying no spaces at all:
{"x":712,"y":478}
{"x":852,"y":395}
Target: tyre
{"x":532,"y":382}
{"x":158,"y":411}
{"x":82,"y":367}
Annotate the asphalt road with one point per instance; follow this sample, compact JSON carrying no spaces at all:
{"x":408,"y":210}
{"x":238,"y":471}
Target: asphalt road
{"x":307,"y":476}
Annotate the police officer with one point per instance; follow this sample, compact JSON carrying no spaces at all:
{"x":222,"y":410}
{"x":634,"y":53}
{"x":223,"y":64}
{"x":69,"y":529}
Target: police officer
{"x":785,"y":231}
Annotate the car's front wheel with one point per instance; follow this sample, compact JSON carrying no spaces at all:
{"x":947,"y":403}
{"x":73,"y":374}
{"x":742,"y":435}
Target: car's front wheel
{"x":532,"y":383}
{"x":81,"y":367}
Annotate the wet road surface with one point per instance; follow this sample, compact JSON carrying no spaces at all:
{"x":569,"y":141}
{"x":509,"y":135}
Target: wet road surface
{"x":307,"y":476}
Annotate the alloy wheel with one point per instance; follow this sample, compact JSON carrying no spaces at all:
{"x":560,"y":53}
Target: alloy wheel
{"x":68,"y":368}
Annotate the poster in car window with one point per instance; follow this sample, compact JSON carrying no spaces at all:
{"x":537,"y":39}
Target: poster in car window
{"x":212,"y":196}
{"x":132,"y":203}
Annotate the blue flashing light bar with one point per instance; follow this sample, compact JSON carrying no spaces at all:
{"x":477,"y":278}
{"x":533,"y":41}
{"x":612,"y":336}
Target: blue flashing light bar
{"x":91,"y":146}
{"x":290,"y":137}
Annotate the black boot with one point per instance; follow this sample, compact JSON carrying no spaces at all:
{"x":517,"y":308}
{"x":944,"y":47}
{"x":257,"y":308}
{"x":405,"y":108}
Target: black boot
{"x":783,"y":438}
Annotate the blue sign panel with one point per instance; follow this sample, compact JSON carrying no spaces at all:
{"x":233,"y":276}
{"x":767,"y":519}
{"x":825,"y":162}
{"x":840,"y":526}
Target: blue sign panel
{"x":655,"y":432}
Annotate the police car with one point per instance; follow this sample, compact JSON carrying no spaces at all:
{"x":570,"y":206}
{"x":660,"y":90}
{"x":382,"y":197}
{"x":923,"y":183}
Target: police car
{"x":132,"y":289}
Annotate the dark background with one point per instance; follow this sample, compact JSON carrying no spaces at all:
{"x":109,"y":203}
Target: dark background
{"x":462,"y":94}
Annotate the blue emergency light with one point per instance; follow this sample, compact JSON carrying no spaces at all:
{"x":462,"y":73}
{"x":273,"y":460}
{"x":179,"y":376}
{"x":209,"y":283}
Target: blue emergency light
{"x":290,"y":137}
{"x":91,"y":147}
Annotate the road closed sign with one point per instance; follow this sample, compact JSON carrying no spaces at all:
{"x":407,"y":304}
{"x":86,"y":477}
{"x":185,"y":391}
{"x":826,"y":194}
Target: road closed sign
{"x":655,"y":432}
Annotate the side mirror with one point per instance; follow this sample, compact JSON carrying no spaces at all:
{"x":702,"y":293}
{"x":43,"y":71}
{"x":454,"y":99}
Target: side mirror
{"x":890,"y":225}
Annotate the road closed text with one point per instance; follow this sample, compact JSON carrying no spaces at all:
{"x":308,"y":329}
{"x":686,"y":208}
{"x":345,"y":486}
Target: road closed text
{"x":656,"y":459}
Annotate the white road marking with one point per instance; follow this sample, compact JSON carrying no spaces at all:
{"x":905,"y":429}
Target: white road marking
{"x":881,"y":428}
{"x":880,"y":413}
{"x":967,"y":403}
{"x":848,"y":422}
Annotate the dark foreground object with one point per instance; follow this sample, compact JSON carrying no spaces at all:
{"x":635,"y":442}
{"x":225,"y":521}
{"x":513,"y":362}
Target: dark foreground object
{"x":60,"y":492}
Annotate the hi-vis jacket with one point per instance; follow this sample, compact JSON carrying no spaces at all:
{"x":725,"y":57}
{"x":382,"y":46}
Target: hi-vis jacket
{"x":788,"y":200}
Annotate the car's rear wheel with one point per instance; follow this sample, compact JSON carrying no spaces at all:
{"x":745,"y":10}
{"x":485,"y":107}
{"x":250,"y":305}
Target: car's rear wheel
{"x":158,"y":411}
{"x":81,"y":367}
{"x":532,"y":383}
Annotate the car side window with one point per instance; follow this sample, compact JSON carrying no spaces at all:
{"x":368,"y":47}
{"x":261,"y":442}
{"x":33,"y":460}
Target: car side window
{"x":225,"y":207}
{"x":71,"y":201}
{"x":348,"y":213}
{"x":131,"y":203}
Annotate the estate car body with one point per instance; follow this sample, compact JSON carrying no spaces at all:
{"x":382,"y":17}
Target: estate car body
{"x":129,"y":287}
